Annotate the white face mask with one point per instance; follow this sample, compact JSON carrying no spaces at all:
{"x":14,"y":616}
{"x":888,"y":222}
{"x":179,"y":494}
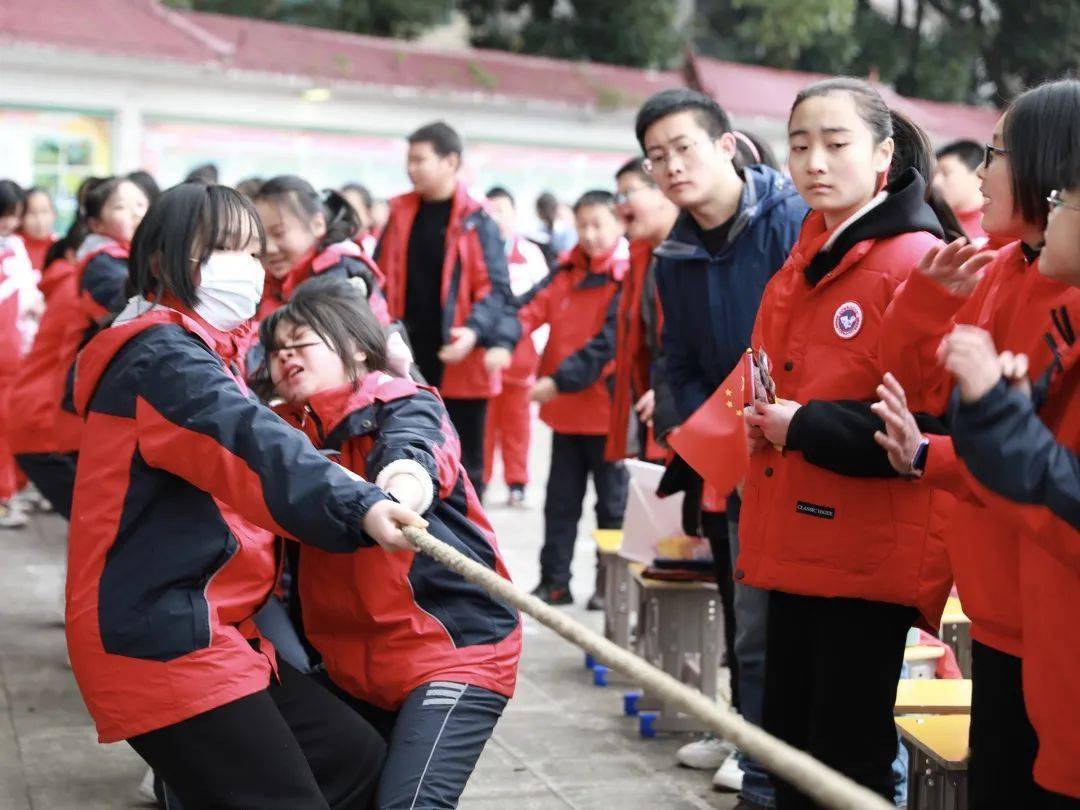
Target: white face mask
{"x":230,"y":289}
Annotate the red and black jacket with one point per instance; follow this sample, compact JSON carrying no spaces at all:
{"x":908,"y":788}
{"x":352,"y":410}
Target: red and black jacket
{"x":183,"y":483}
{"x":341,"y":260}
{"x":37,"y":249}
{"x":387,"y":623}
{"x":36,"y":422}
{"x":580,"y":301}
{"x":634,"y":360}
{"x":475,"y":286}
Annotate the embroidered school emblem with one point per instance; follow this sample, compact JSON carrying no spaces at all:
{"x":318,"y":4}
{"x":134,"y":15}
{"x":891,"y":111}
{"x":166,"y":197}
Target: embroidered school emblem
{"x":848,"y":320}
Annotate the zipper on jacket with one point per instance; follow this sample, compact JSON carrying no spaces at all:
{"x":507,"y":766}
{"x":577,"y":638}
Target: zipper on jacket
{"x":318,"y":423}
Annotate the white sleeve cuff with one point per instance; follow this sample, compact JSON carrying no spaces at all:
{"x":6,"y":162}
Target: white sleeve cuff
{"x":406,"y":466}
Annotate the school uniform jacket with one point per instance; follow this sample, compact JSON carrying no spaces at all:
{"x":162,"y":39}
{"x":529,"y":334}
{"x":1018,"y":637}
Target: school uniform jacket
{"x":579,"y":301}
{"x":341,"y":260}
{"x":183,"y":483}
{"x":805,"y":529}
{"x":387,"y":623}
{"x":527,"y":267}
{"x":1025,"y":449}
{"x":634,"y":361}
{"x":475,"y":286}
{"x":1012,"y":302}
{"x":36,"y":422}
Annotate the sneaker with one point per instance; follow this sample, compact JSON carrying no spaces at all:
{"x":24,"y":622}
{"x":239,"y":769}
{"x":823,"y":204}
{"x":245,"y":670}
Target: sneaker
{"x":517,"y":496}
{"x":146,"y":788}
{"x":553,"y":594}
{"x":29,"y":499}
{"x":11,"y":516}
{"x":596,"y":602}
{"x":729,"y":776}
{"x":706,"y":754}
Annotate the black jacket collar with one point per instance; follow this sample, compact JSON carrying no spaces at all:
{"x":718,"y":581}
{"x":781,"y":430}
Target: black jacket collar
{"x":904,"y":210}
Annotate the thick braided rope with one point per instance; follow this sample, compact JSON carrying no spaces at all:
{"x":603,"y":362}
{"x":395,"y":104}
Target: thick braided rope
{"x":818,"y":781}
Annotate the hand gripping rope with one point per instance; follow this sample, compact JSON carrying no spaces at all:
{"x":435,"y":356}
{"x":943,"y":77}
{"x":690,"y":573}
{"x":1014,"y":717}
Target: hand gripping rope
{"x":816,"y":780}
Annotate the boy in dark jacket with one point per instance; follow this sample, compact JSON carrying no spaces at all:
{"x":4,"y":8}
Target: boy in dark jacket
{"x":733,"y":234}
{"x":446,"y":280}
{"x":579,"y":300}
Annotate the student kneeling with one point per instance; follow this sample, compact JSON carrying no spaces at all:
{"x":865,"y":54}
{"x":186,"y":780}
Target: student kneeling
{"x":427,"y":657}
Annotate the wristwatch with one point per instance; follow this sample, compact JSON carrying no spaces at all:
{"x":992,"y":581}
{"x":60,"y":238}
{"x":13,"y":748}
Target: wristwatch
{"x":918,"y":461}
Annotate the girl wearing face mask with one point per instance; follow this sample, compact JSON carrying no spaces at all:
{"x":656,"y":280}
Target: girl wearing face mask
{"x":183,"y":484}
{"x":841,"y":550}
{"x":1009,"y":297}
{"x":430,"y":659}
{"x":307,"y":236}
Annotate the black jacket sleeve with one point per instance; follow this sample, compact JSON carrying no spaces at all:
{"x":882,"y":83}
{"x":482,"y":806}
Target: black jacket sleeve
{"x":194,"y":422}
{"x":494,"y":317}
{"x":414,"y":430}
{"x":104,"y":280}
{"x":665,"y":414}
{"x":1010,"y":451}
{"x":839,"y":436}
{"x":584,"y":367}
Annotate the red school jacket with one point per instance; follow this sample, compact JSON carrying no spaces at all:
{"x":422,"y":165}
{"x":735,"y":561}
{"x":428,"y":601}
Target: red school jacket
{"x":807,"y":530}
{"x":37,"y":423}
{"x":579,"y":301}
{"x":341,"y":260}
{"x":183,"y":483}
{"x":475,"y":285}
{"x":1050,"y":603}
{"x":1012,"y":302}
{"x":633,"y":360}
{"x":527,"y":268}
{"x":387,"y":623}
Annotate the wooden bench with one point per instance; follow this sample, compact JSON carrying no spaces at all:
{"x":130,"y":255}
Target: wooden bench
{"x":931,"y":696}
{"x":680,"y":626}
{"x":937,"y":773}
{"x":956,"y":632}
{"x":922,"y":660}
{"x":620,"y":596}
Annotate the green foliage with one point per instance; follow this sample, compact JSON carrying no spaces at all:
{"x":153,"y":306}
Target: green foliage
{"x":622,"y":32}
{"x":953,"y":50}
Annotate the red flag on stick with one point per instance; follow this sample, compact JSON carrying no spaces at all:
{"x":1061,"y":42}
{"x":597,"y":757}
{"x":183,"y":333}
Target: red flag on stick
{"x":713,"y":439}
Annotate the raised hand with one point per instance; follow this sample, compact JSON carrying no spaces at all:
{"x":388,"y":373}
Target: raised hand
{"x":957,"y":266}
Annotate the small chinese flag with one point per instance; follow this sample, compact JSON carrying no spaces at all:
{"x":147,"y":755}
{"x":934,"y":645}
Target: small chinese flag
{"x":713,"y":439}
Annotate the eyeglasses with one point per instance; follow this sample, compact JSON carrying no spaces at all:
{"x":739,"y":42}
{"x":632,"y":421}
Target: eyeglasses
{"x":658,"y":159}
{"x":992,"y":152}
{"x":1055,"y":202}
{"x":623,"y":197}
{"x":275,"y":353}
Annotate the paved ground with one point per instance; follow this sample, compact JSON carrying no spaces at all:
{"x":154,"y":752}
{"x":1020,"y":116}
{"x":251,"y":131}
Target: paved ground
{"x":561,"y":744}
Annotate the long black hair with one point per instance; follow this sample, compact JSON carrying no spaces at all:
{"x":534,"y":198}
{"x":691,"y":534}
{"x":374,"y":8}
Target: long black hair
{"x":179,"y":232}
{"x":342,"y":221}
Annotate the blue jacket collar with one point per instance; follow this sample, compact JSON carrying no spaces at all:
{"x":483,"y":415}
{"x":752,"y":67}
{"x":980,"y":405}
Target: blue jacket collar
{"x":763,"y":188}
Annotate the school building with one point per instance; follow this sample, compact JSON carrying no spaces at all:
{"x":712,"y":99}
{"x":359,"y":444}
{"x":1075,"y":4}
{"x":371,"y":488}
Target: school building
{"x":103,"y":86}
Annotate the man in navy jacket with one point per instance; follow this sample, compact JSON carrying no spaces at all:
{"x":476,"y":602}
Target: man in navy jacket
{"x":734,"y":232}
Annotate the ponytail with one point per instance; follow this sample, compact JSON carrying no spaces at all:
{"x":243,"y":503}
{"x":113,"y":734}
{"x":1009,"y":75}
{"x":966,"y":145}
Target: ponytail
{"x":69,"y":241}
{"x":341,"y":220}
{"x":914,"y":151}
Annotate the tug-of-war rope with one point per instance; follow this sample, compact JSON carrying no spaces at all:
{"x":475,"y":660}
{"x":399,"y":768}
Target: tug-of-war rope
{"x":816,"y":780}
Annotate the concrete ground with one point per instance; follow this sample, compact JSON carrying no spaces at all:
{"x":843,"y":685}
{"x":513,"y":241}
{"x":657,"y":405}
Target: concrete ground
{"x":562,"y":742}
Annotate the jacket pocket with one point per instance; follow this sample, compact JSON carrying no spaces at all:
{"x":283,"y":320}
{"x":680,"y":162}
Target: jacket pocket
{"x":161,"y":612}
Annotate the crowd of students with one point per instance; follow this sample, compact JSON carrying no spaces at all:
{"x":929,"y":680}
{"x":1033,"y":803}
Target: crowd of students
{"x":240,"y":396}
